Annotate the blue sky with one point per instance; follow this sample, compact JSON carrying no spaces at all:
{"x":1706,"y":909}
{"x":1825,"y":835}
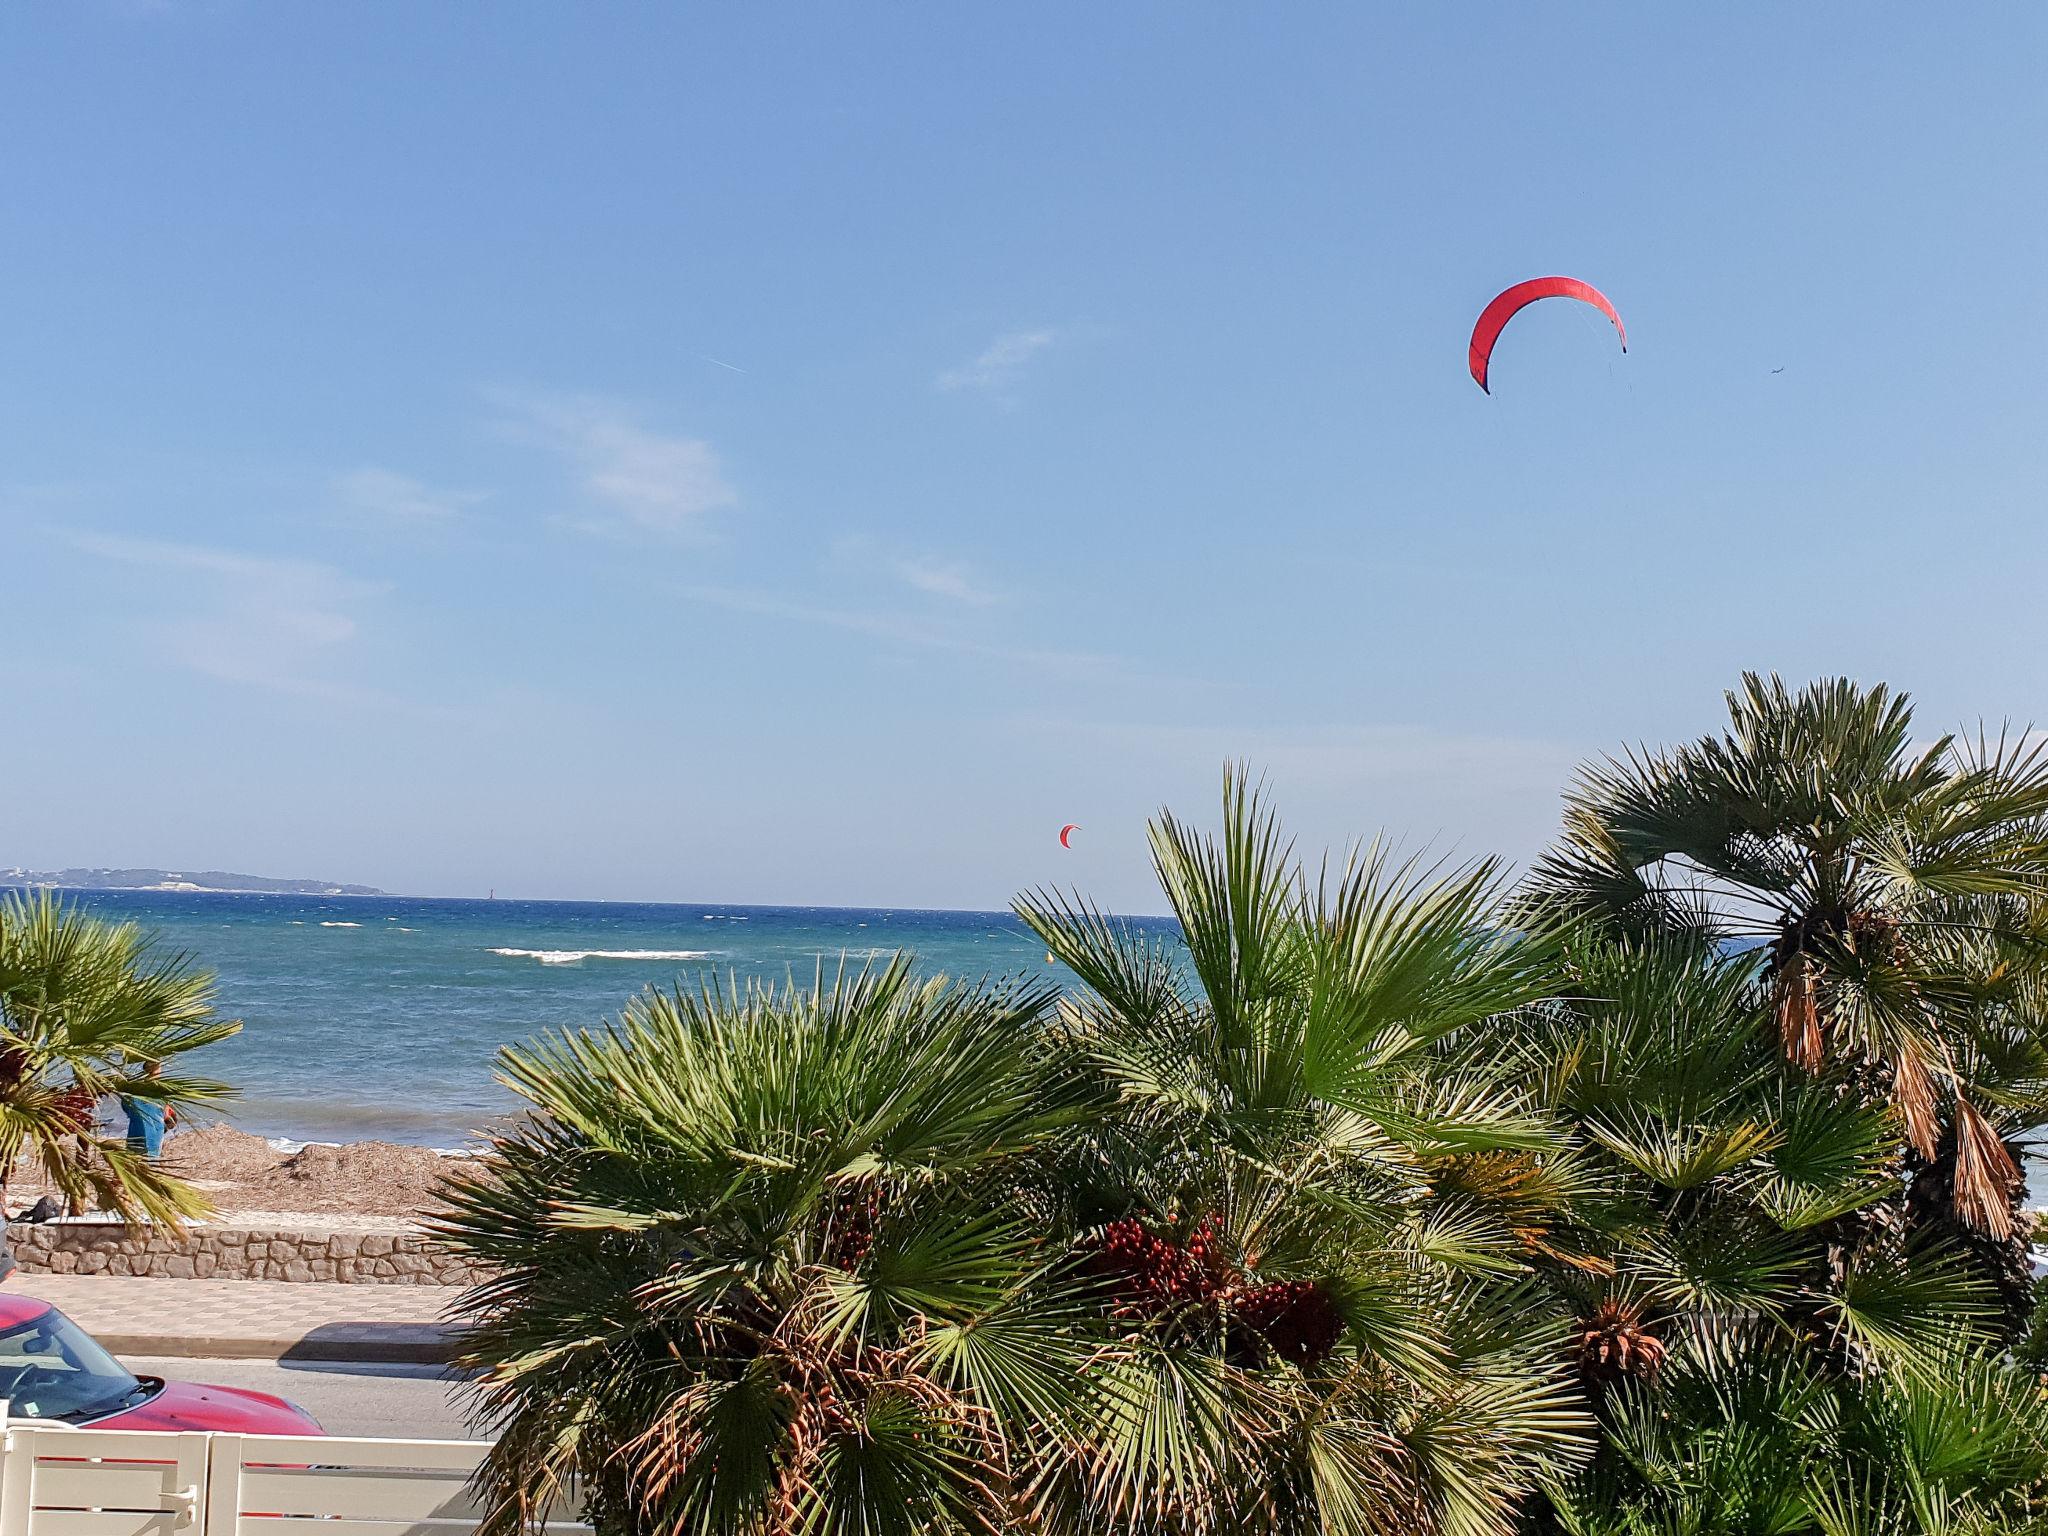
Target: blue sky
{"x":809,"y":453}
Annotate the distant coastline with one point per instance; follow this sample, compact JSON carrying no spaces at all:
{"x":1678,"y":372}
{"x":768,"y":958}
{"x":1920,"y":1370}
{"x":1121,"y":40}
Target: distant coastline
{"x":178,"y":880}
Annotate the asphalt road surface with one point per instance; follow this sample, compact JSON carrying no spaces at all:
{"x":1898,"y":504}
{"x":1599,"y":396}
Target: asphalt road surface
{"x":408,"y":1402}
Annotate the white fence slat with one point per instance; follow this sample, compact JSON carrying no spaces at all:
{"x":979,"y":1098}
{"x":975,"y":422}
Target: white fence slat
{"x":463,"y":1456}
{"x":61,"y":1440}
{"x":220,"y":1507}
{"x":59,"y":1481}
{"x":360,"y":1493}
{"x":102,"y":1522}
{"x":110,"y":1485}
{"x":17,"y":1485}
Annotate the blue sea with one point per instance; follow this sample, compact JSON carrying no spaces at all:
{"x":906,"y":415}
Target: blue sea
{"x":379,"y":1016}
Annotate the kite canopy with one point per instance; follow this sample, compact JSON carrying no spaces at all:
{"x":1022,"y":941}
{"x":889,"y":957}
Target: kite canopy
{"x":1507,"y":305}
{"x":1072,"y":826}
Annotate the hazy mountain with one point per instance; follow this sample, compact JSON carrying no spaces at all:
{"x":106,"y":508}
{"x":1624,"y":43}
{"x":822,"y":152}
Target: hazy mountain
{"x":174,"y":880}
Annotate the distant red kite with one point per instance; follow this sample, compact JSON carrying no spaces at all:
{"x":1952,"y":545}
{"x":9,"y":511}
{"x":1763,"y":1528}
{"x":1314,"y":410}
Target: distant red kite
{"x":1505,"y":307}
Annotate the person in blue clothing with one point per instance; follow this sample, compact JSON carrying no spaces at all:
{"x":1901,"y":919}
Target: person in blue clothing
{"x":148,"y":1119}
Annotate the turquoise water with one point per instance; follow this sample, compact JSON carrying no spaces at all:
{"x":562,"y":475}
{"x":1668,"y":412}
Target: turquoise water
{"x":379,"y":1016}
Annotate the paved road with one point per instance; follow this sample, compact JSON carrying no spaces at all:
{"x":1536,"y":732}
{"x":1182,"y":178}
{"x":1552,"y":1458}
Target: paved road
{"x":407,"y":1401}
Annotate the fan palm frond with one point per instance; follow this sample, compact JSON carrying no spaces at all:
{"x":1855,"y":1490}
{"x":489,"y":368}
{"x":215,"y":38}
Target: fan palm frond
{"x":86,"y":1006}
{"x":1895,"y":888}
{"x":1312,"y":1095}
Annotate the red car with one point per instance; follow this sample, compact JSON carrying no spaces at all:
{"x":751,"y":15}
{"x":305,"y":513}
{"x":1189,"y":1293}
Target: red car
{"x":52,"y":1369}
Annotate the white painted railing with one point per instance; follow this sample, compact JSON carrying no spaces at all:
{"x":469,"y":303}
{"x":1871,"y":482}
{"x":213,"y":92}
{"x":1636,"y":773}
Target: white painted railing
{"x":100,"y":1482}
{"x":56,"y":1481}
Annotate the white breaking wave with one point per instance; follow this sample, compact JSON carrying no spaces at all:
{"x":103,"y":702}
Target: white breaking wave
{"x":288,"y":1147}
{"x":341,"y":925}
{"x":571,"y":956}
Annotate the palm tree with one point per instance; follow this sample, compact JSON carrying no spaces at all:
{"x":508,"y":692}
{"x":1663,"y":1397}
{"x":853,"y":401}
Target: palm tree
{"x":86,"y":1007}
{"x":1894,"y":892}
{"x":887,"y":1256}
{"x":1723,"y":1184}
{"x":1303,"y":1185}
{"x":1736,"y":1442}
{"x":775,"y":1261}
{"x":1760,"y":1359}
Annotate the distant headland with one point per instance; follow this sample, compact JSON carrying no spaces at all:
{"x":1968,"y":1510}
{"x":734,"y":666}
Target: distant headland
{"x":175,"y":880}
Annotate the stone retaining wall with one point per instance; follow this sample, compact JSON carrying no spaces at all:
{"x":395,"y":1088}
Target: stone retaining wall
{"x":397,"y":1257}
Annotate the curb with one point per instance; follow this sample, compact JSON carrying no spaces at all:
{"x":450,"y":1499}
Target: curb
{"x":357,"y":1343}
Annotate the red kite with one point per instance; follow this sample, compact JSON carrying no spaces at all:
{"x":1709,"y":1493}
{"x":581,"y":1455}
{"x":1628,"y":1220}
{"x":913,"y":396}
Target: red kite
{"x":1507,"y":305}
{"x":1072,"y":826}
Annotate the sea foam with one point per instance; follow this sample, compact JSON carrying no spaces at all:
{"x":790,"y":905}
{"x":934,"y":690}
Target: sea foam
{"x":341,"y":925}
{"x":572,"y":956}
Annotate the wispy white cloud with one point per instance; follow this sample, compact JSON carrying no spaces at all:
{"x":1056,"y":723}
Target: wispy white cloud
{"x":265,"y":621}
{"x":1365,"y":754}
{"x":908,"y":631}
{"x":926,"y":572}
{"x":302,"y":579}
{"x":1000,"y":364}
{"x":949,"y":579}
{"x":643,"y":481}
{"x":390,"y":496}
{"x":1449,"y":789}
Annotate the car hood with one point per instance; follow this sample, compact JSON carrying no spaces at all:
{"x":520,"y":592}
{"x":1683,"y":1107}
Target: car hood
{"x":189,"y":1405}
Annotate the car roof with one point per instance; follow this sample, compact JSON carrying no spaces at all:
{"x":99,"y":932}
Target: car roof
{"x":17,"y":1308}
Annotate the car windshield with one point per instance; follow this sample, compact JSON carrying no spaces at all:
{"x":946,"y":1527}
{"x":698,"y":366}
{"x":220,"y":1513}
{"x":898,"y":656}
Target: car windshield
{"x":50,"y":1368}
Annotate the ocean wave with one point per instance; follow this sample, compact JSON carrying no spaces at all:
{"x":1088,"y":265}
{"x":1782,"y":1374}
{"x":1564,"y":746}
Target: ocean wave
{"x":341,"y":925}
{"x":290,"y":1146}
{"x":573,"y":956}
{"x":291,"y":1121}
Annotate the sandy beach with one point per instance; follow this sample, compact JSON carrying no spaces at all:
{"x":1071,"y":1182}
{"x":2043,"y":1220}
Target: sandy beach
{"x":366,"y":1183}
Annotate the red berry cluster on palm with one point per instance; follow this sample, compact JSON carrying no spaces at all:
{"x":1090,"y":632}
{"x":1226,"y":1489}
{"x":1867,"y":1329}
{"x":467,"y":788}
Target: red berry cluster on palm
{"x":1154,"y":1277}
{"x":851,"y":1216}
{"x":1294,"y":1318}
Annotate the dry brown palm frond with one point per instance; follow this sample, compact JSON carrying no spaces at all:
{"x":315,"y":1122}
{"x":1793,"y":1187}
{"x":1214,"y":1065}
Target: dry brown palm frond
{"x":832,"y":1393}
{"x":1614,"y":1342}
{"x":1538,"y":1241}
{"x":664,"y":1452}
{"x":1503,"y":1176}
{"x":1985,"y":1174}
{"x":1798,"y":1010}
{"x":1913,"y":1093}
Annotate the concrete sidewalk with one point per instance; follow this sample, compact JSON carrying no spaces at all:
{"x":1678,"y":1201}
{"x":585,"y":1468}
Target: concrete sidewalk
{"x":252,"y":1319}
